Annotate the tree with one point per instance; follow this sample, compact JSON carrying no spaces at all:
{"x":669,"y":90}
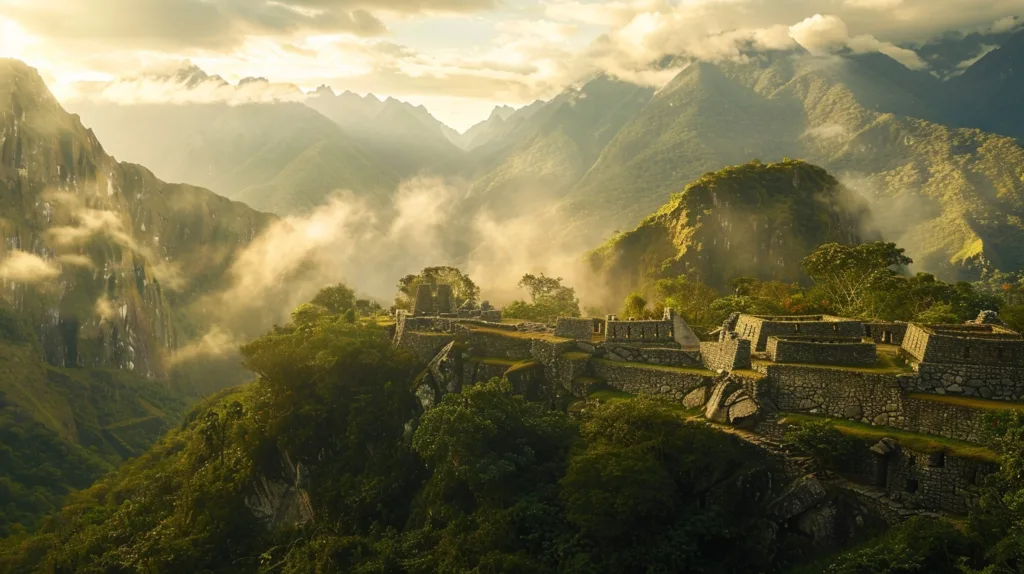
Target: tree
{"x":549,"y":300}
{"x":821,"y":441}
{"x":464,"y":290}
{"x":635,"y":306}
{"x":336,"y":299}
{"x":690,"y":298}
{"x":854,"y":279}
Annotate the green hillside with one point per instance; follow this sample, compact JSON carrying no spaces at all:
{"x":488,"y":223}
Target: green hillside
{"x":953,"y":197}
{"x":61,"y":429}
{"x":751,"y":220}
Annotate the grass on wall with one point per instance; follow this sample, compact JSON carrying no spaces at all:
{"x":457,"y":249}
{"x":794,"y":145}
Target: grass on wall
{"x":920,"y":442}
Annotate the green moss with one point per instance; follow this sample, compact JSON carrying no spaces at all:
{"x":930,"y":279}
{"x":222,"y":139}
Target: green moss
{"x":521,"y":366}
{"x":576,"y":356}
{"x":610,"y":395}
{"x":520,"y":335}
{"x":687,"y":370}
{"x":970,"y":402}
{"x":914,"y":441}
{"x":494,"y":361}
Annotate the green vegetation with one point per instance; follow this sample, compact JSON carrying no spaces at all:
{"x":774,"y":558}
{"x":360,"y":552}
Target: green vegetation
{"x":919,"y":442}
{"x":485,"y":481}
{"x":859,"y":281}
{"x":464,"y":291}
{"x":974,"y":403}
{"x":549,"y":300}
{"x":689,"y":370}
{"x":827,"y":445}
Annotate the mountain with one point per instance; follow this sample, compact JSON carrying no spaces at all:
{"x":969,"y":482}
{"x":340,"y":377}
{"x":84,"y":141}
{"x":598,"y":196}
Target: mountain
{"x":281,"y":157}
{"x":988,"y":94}
{"x":102,"y":267}
{"x":494,"y":126}
{"x":752,"y":220}
{"x":953,"y":197}
{"x":548,"y":146}
{"x":404,"y":137}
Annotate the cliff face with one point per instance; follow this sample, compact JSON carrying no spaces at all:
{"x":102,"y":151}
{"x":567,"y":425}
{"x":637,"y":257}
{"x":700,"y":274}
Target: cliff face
{"x":755,"y":220}
{"x":100,"y":255}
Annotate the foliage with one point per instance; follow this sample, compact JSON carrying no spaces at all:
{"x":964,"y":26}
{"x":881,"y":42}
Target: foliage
{"x":918,"y":546}
{"x":336,"y":299}
{"x":851,"y":277}
{"x":549,"y":300}
{"x":690,"y":298}
{"x":824,"y":443}
{"x":464,"y":291}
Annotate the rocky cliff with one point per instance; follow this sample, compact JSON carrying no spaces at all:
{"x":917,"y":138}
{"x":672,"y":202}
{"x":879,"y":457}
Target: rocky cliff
{"x":101,"y":256}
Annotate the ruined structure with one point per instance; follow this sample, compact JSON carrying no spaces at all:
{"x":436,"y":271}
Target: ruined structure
{"x":850,"y":351}
{"x":757,"y":328}
{"x":760,"y":371}
{"x":671,"y":329}
{"x":438,"y":301}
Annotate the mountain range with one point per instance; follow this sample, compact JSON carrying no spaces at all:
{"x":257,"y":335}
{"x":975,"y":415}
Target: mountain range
{"x":936,"y":153}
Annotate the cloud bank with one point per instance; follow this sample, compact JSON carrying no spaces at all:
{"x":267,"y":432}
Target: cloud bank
{"x":25,"y":267}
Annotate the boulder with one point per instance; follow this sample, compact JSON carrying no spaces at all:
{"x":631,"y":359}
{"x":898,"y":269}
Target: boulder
{"x":696,"y":399}
{"x":799,"y":497}
{"x":743,"y":411}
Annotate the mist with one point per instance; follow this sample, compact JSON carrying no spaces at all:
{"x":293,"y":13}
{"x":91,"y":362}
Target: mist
{"x":369,"y":248}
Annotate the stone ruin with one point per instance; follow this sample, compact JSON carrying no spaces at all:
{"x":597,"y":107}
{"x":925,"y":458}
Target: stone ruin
{"x":762,"y":368}
{"x":671,"y":330}
{"x":757,"y":328}
{"x":438,"y":301}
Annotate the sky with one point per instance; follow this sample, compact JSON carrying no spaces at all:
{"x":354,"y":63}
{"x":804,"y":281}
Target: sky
{"x":459,"y":58}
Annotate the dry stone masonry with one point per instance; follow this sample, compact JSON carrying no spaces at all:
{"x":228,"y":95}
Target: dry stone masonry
{"x":851,"y":351}
{"x":758,"y":369}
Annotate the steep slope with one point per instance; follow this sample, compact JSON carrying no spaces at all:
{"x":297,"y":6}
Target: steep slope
{"x":548,"y":147}
{"x":279,"y":157}
{"x":755,"y":219}
{"x":953,"y":197}
{"x":113,"y":255}
{"x":99,"y":264}
{"x":404,"y":137}
{"x":988,"y":94}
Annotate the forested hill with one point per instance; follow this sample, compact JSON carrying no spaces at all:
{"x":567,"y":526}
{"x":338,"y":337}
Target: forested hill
{"x":953,"y":197}
{"x":756,"y":220}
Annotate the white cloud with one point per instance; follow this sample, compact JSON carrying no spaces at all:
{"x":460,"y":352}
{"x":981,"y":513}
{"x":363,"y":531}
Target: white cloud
{"x":25,"y":267}
{"x":1007,"y":24}
{"x":822,"y":35}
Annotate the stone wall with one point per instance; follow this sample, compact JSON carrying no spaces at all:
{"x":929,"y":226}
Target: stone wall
{"x":425,"y":346}
{"x":935,"y":481}
{"x":887,"y":333}
{"x":647,"y":355}
{"x":964,"y":344}
{"x":575,"y":328}
{"x":758,"y":328}
{"x":821,"y":351}
{"x":648,"y":381}
{"x":639,"y":332}
{"x":960,"y":422}
{"x":866,"y":397}
{"x":983,"y":381}
{"x":728,"y":354}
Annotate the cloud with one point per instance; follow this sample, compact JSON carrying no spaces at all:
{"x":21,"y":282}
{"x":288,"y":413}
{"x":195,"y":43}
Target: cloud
{"x":76,"y":260}
{"x":90,"y":223}
{"x":873,"y":4}
{"x":822,"y":35}
{"x":25,"y":267}
{"x":105,"y":309}
{"x":215,"y":343}
{"x":1007,"y":24}
{"x":217,"y":24}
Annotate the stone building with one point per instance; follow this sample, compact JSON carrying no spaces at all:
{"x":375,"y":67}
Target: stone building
{"x":970,"y":344}
{"x":848,"y":351}
{"x":671,"y":329}
{"x":757,"y":328}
